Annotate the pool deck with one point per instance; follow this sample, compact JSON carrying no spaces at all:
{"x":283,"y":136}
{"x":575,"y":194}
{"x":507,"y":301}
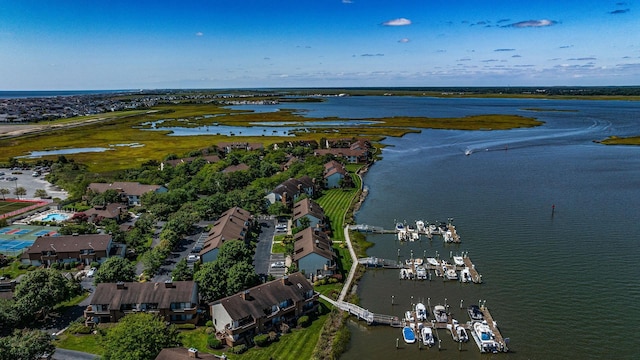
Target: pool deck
{"x":42,"y":215}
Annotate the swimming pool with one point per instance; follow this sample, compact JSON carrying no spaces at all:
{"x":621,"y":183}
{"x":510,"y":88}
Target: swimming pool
{"x":55,"y":217}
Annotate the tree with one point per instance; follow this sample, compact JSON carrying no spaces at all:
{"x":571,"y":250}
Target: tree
{"x":152,"y":260}
{"x":115,"y":269}
{"x":139,"y":336}
{"x":241,"y":276}
{"x":233,"y":251}
{"x":41,"y":193}
{"x":182,"y":272}
{"x":25,"y":345}
{"x":4,"y":191}
{"x":40,"y":290}
{"x":20,"y":191}
{"x":212,"y":281}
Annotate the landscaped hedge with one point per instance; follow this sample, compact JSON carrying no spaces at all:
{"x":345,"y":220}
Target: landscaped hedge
{"x":213,"y":342}
{"x":239,"y":349}
{"x":186,"y":326}
{"x":304,"y":321}
{"x":261,"y":340}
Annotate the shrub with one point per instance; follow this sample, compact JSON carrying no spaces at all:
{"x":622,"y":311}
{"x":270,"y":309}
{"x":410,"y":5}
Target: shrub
{"x":239,"y":349}
{"x":186,"y":326}
{"x":31,"y":268}
{"x":261,"y":340}
{"x":213,"y":342}
{"x":55,"y":266}
{"x":67,"y":266}
{"x":273,"y":336}
{"x":210,"y":330}
{"x":303,"y":321}
{"x":95,"y":264}
{"x":209,"y":323}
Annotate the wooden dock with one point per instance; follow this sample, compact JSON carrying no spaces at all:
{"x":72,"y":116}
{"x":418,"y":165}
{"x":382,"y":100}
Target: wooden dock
{"x":492,"y":325}
{"x":475,"y":276}
{"x":364,"y":314}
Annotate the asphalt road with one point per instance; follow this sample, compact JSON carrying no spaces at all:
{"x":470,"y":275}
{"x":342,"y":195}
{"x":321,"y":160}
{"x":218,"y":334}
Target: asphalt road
{"x":63,"y":354}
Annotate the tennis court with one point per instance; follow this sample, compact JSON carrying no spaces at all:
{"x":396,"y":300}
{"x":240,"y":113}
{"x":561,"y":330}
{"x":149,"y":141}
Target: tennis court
{"x":11,"y":247}
{"x":14,"y":238}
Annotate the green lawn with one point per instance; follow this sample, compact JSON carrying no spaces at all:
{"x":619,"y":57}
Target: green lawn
{"x":85,"y":343}
{"x":298,"y":344}
{"x":9,"y":206}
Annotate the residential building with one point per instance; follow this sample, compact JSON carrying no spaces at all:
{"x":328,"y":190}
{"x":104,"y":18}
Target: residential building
{"x":131,"y":192}
{"x":173,"y":301}
{"x":234,"y":168}
{"x":335,"y":174}
{"x":239,"y":317}
{"x":233,"y":224}
{"x":313,"y":254}
{"x":85,"y":249}
{"x":228,"y":147}
{"x":289,"y":191}
{"x":112,"y":211}
{"x":210,"y":159}
{"x":307,"y":208}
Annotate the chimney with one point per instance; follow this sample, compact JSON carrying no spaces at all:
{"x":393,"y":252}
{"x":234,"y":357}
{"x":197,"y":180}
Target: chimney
{"x":285,"y":280}
{"x":246,"y":295}
{"x":193,"y":353}
{"x":168,"y":283}
{"x":120,"y":285}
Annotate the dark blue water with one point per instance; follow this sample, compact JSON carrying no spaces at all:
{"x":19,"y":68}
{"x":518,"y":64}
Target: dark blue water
{"x":560,"y":285}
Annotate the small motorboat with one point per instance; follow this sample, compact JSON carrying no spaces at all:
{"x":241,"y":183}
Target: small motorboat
{"x":408,"y":335}
{"x":432,"y":261}
{"x":421,"y":312}
{"x":420,"y":226}
{"x":399,"y":227}
{"x":465,"y":275}
{"x":458,"y":260}
{"x":418,"y":261}
{"x":458,"y":333}
{"x":448,"y":236}
{"x":475,"y":314}
{"x":421,"y":272}
{"x":451,"y":274}
{"x":440,"y":313}
{"x":404,"y":274}
{"x":485,"y":338}
{"x":409,"y":316}
{"x":426,"y":335}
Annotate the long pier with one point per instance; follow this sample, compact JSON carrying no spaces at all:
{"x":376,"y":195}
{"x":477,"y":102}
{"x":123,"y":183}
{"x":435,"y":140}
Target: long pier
{"x":364,"y":314}
{"x":447,"y":231}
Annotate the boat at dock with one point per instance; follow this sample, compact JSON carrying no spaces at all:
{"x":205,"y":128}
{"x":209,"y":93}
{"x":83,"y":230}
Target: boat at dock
{"x":440,"y":314}
{"x":408,"y":316}
{"x":433,"y":261}
{"x":475,"y":314}
{"x":400,"y":227}
{"x":465,"y":275}
{"x":458,"y":260}
{"x":405,"y":274}
{"x":418,"y":261}
{"x":408,"y":335}
{"x":421,"y":312}
{"x":451,"y":274}
{"x":420,"y":226}
{"x":485,"y":338}
{"x":448,"y":236}
{"x":458,"y":333}
{"x":426,"y":335}
{"x":421,"y":272}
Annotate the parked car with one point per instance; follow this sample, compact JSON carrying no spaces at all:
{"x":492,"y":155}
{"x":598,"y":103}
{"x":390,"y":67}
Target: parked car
{"x":91,"y":272}
{"x":278,"y":265}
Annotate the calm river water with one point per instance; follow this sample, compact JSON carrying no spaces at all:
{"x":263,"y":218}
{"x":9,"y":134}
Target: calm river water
{"x":560,"y":285}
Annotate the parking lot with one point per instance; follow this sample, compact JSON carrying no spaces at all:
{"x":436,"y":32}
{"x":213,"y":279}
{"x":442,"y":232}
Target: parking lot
{"x":25,"y":179}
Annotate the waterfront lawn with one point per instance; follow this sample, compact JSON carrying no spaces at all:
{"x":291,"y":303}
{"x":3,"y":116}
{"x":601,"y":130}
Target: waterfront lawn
{"x":298,"y":344}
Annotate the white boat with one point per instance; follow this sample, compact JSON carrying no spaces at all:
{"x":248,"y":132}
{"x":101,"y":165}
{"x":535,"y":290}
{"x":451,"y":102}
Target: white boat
{"x":409,"y":262}
{"x":427,"y":336}
{"x":485,"y":338}
{"x":458,"y":260}
{"x":433,"y":229}
{"x":432,"y":261}
{"x":465,"y":275}
{"x":421,"y":312}
{"x":475,"y":314}
{"x":421,"y":272}
{"x":458,"y":333}
{"x":404,"y":274}
{"x":402,"y":235}
{"x":448,"y":236}
{"x":418,"y":261}
{"x":409,"y":316}
{"x":440,"y":313}
{"x":408,"y":335}
{"x":415,"y":236}
{"x":468,"y":152}
{"x":420,"y":226}
{"x":399,"y":226}
{"x":451,"y":274}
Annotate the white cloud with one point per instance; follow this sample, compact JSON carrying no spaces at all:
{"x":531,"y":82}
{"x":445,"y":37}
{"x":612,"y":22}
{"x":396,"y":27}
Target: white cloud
{"x":199,"y":33}
{"x":404,"y":40}
{"x":347,"y":2}
{"x":397,"y":22}
{"x":533,"y":23}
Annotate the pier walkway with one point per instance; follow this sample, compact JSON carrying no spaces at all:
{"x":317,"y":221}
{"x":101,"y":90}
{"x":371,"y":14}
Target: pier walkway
{"x":364,"y":314}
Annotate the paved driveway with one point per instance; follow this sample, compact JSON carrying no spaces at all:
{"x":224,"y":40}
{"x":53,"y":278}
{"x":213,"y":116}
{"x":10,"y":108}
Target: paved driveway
{"x":262,"y":259}
{"x":63,"y":354}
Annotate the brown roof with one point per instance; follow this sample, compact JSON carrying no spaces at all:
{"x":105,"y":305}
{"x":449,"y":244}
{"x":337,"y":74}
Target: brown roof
{"x":265,"y":296}
{"x":109,"y":211}
{"x":234,"y":168}
{"x":129,"y":188}
{"x":232,"y":224}
{"x":147,"y":292}
{"x":182,"y":354}
{"x":310,"y":241}
{"x":306,"y":207}
{"x":333,"y":167}
{"x":70,"y":243}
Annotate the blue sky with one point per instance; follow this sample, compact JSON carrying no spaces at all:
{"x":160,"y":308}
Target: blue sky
{"x":73,"y":45}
